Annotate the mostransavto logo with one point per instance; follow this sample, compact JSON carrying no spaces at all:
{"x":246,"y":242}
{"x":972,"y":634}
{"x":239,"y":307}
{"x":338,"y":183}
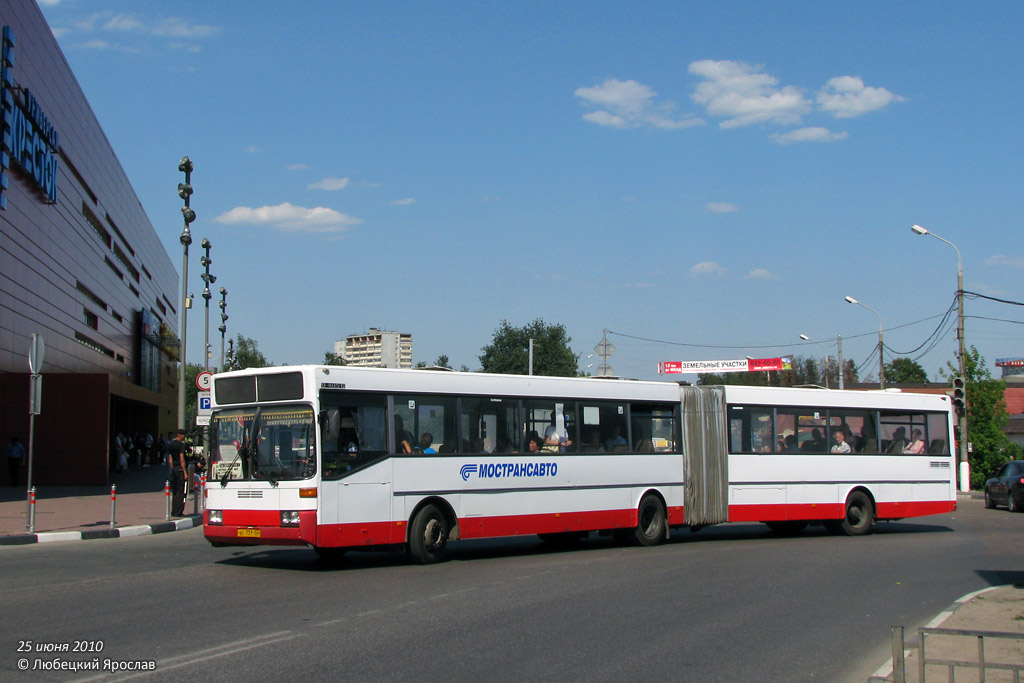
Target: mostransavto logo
{"x":499,"y":470}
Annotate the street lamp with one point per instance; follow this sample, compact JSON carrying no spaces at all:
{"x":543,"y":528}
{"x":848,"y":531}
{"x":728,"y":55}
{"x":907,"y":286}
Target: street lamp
{"x":825,"y":348}
{"x":881,"y":361}
{"x":965,"y":466}
{"x":208,"y":280}
{"x":185,"y":192}
{"x":223,"y":323}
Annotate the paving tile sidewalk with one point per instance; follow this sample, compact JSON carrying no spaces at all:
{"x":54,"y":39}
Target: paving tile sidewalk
{"x":64,"y":513}
{"x":999,"y":609}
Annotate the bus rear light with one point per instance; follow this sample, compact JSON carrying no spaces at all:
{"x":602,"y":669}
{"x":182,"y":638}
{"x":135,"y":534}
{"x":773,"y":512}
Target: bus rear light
{"x":307,"y":493}
{"x":289,"y":517}
{"x":215,"y":517}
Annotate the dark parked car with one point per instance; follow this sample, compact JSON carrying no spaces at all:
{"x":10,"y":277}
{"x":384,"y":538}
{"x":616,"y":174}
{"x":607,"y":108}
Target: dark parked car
{"x":1007,"y":487}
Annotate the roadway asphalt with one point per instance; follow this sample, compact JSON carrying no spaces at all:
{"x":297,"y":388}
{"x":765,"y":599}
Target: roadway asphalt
{"x":77,"y":513}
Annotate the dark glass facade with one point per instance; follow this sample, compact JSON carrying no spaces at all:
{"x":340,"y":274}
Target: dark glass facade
{"x":81,"y":265}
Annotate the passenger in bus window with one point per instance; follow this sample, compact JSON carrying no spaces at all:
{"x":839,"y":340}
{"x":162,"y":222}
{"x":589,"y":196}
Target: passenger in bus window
{"x":841,"y":446}
{"x":426,"y":443}
{"x":916,"y":446}
{"x":403,"y":439}
{"x":791,"y":444}
{"x":534,"y":443}
{"x":899,"y":441}
{"x":501,"y":445}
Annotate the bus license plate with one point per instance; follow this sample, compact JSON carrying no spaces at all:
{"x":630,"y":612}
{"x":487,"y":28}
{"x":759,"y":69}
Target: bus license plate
{"x":248,"y":533}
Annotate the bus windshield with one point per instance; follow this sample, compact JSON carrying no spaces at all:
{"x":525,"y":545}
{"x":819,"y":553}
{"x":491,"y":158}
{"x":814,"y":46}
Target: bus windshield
{"x":271,"y":443}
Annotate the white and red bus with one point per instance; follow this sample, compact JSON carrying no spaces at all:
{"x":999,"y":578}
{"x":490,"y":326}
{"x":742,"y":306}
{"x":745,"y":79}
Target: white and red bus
{"x":340,"y":458}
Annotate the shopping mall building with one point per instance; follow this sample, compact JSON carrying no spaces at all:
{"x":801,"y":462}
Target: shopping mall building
{"x":80,"y":265}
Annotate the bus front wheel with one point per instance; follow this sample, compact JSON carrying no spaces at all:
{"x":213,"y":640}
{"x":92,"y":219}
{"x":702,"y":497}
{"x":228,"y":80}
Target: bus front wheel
{"x":428,"y":535}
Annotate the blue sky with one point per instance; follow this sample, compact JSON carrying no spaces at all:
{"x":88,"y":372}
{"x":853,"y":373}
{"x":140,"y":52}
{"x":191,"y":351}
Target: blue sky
{"x":712,"y":176}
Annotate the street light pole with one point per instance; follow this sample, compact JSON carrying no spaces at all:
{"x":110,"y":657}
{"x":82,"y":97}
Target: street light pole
{"x":881,"y":361}
{"x":965,"y":466}
{"x":207,"y":280}
{"x":825,"y":349}
{"x":223,"y":323}
{"x":185,"y":192}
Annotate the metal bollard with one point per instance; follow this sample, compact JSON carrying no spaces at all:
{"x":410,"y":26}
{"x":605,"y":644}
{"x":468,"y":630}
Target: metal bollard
{"x":202,"y":490}
{"x":32,"y":510}
{"x":167,"y":501}
{"x":898,"y":664}
{"x":113,"y":503}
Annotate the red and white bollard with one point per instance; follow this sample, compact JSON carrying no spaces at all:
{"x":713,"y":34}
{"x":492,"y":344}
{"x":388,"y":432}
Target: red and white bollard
{"x":113,"y":503}
{"x":167,"y":500}
{"x":32,"y":510}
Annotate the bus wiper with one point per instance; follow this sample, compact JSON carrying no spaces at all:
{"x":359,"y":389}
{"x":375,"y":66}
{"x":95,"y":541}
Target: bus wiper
{"x":244,"y":450}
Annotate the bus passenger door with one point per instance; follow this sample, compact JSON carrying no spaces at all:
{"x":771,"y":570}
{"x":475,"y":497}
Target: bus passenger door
{"x":705,"y":455}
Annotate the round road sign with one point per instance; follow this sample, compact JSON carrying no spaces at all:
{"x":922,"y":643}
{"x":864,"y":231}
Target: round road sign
{"x":204,"y":380}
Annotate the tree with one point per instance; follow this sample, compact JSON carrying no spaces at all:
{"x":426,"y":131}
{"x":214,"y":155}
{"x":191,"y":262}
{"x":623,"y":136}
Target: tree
{"x":442,"y":362}
{"x":248,"y":355}
{"x":331,"y":358}
{"x":508,"y":351}
{"x":905,"y":371}
{"x":986,"y":416}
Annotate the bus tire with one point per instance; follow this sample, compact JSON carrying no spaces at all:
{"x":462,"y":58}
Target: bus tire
{"x":428,"y":535}
{"x":859,"y":517}
{"x":650,"y":518}
{"x":330,"y":554}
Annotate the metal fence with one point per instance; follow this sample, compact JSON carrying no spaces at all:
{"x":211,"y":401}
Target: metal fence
{"x":982,"y":665}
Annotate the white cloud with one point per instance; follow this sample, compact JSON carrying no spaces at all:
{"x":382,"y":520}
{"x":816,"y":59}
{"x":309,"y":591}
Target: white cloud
{"x":743,"y":95}
{"x":721,"y":207}
{"x":812,"y":134}
{"x":296,"y":167}
{"x":707,"y":268}
{"x":329,"y":184}
{"x":403,"y":202}
{"x":251,"y":149}
{"x":847,"y":96}
{"x":1003,"y":260}
{"x":629,"y":104}
{"x":173,"y":27}
{"x":120,"y":22}
{"x":761,"y":274}
{"x":95,"y":45}
{"x":290,"y":218}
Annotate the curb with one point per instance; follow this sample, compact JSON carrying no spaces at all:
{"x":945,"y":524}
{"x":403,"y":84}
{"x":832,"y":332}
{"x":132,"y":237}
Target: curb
{"x":186,"y":522}
{"x":885,"y":671}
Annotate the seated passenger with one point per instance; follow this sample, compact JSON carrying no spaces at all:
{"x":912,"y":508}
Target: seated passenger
{"x":616,"y":443}
{"x":426,"y":441}
{"x":791,"y":444}
{"x":552,"y":443}
{"x":403,"y":439}
{"x":899,"y":441}
{"x":841,"y":446}
{"x":534,"y":444}
{"x":916,"y":446}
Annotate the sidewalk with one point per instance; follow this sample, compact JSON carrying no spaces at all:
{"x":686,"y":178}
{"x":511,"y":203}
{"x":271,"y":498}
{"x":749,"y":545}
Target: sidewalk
{"x":999,"y":609}
{"x":72,"y":513}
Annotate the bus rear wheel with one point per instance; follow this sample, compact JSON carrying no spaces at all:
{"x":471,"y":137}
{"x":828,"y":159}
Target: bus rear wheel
{"x":859,"y":517}
{"x":428,"y":535}
{"x":650,"y":527}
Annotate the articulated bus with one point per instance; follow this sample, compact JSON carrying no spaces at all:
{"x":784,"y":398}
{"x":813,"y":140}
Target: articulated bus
{"x":340,"y":458}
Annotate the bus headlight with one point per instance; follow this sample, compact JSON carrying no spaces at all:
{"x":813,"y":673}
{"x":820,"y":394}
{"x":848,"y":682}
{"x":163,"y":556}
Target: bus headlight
{"x":289,"y":517}
{"x":215,"y":517}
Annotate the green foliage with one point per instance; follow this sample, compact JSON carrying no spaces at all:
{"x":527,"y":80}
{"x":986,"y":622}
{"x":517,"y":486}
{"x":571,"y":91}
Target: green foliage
{"x":333,"y":359}
{"x":442,"y":362}
{"x":508,"y":351}
{"x":986,"y":416}
{"x":905,"y":371}
{"x":248,"y":355}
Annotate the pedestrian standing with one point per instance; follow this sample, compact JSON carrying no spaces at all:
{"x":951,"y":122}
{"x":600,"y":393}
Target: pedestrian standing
{"x":176,"y":461}
{"x":15,"y":456}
